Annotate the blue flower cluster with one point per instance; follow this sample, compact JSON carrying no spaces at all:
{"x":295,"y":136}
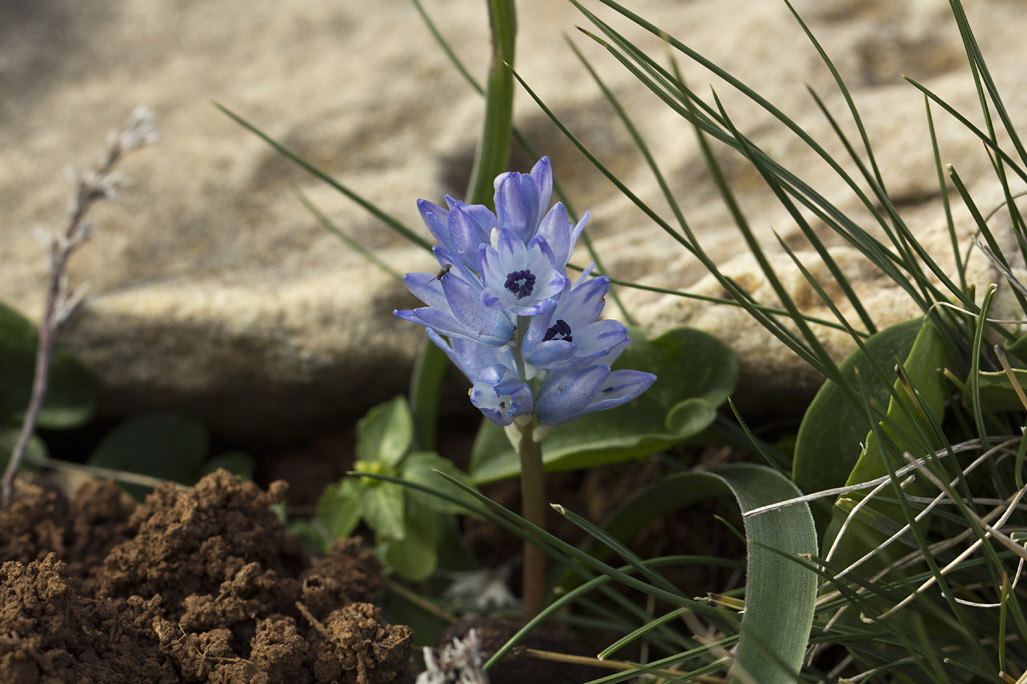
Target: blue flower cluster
{"x":504,"y":310}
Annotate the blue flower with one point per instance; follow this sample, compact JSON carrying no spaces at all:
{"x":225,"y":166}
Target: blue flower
{"x":568,"y":331}
{"x":497,"y":390}
{"x":516,"y":277}
{"x":503,"y":402}
{"x":521,"y":200}
{"x":461,"y":229}
{"x":504,"y":311}
{"x":568,"y":394}
{"x":455,"y":307}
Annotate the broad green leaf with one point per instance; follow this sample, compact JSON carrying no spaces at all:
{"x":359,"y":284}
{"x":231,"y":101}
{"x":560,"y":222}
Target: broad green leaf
{"x":997,"y":392}
{"x":164,"y":445}
{"x":71,"y":390}
{"x":236,"y":462}
{"x":1018,"y":348}
{"x":925,"y":359}
{"x":420,"y":467}
{"x":339,"y":507}
{"x":36,"y":450}
{"x":695,"y":374}
{"x":903,"y":426}
{"x":780,"y":591}
{"x":834,"y":430}
{"x":414,"y":556}
{"x":381,"y":505}
{"x":385,"y":434}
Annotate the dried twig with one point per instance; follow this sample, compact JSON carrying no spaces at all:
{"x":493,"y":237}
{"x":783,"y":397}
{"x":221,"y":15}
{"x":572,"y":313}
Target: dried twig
{"x":90,"y":186}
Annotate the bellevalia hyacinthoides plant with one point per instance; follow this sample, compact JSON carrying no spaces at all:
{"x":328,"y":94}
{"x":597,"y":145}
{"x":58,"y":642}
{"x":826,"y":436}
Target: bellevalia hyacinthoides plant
{"x":530,"y":342}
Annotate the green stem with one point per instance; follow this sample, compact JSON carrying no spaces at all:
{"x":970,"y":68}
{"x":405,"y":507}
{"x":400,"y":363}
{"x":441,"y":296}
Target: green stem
{"x":425,"y":388}
{"x":533,"y":494}
{"x":493,"y":153}
{"x":533,"y":509}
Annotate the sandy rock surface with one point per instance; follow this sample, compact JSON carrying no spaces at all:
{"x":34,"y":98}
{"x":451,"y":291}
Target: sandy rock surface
{"x":214,"y":291}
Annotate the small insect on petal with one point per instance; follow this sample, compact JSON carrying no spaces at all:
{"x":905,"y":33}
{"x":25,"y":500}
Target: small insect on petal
{"x":442,"y":273}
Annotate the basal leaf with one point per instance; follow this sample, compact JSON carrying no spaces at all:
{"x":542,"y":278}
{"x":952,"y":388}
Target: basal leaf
{"x":903,"y":428}
{"x":164,"y":445}
{"x":385,"y":434}
{"x":35,"y":452}
{"x":1018,"y":348}
{"x":925,"y":359}
{"x":339,"y":507}
{"x":236,"y":462}
{"x":414,"y":556}
{"x":780,"y":590}
{"x":420,"y":467}
{"x":381,"y":505}
{"x":695,"y":374}
{"x":997,"y":392}
{"x":834,"y":429}
{"x":72,"y":389}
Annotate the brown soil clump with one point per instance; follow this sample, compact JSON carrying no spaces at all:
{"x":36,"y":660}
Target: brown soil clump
{"x":201,"y":585}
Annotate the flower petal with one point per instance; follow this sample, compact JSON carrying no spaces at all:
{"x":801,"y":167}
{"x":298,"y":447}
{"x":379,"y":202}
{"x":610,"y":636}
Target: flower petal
{"x":465,"y":234}
{"x":426,"y":287}
{"x":517,"y":204}
{"x":566,"y":394}
{"x":542,"y":174}
{"x":503,"y":401}
{"x":436,"y":218}
{"x":478,"y":362}
{"x":480,"y":323}
{"x":621,"y":387}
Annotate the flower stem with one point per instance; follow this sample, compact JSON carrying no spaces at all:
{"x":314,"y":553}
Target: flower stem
{"x":533,"y":508}
{"x":494,"y":146}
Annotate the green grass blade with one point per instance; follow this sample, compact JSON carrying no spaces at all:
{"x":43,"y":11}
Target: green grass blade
{"x":981,"y":71}
{"x":368,"y":206}
{"x":818,"y":356}
{"x":327,"y":224}
{"x":770,"y":310}
{"x":844,"y":90}
{"x":970,"y":126}
{"x":687,"y":241}
{"x":946,"y":205}
{"x":447,"y":48}
{"x":902,"y":238}
{"x":996,"y":251}
{"x":846,"y":226}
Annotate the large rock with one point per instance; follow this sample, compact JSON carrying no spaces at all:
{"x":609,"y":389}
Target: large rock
{"x":215,"y":292}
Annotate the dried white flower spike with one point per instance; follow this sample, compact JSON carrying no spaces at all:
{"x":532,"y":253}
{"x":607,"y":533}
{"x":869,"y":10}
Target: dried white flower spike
{"x":458,"y":662}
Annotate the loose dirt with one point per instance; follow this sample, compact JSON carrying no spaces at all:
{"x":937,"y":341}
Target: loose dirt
{"x":200,"y":585}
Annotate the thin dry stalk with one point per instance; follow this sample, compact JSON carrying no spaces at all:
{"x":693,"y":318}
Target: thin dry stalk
{"x":90,"y":186}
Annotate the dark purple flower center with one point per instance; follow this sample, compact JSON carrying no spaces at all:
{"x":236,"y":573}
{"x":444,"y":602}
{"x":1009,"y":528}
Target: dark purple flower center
{"x":560,"y":331}
{"x":521,"y":283}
